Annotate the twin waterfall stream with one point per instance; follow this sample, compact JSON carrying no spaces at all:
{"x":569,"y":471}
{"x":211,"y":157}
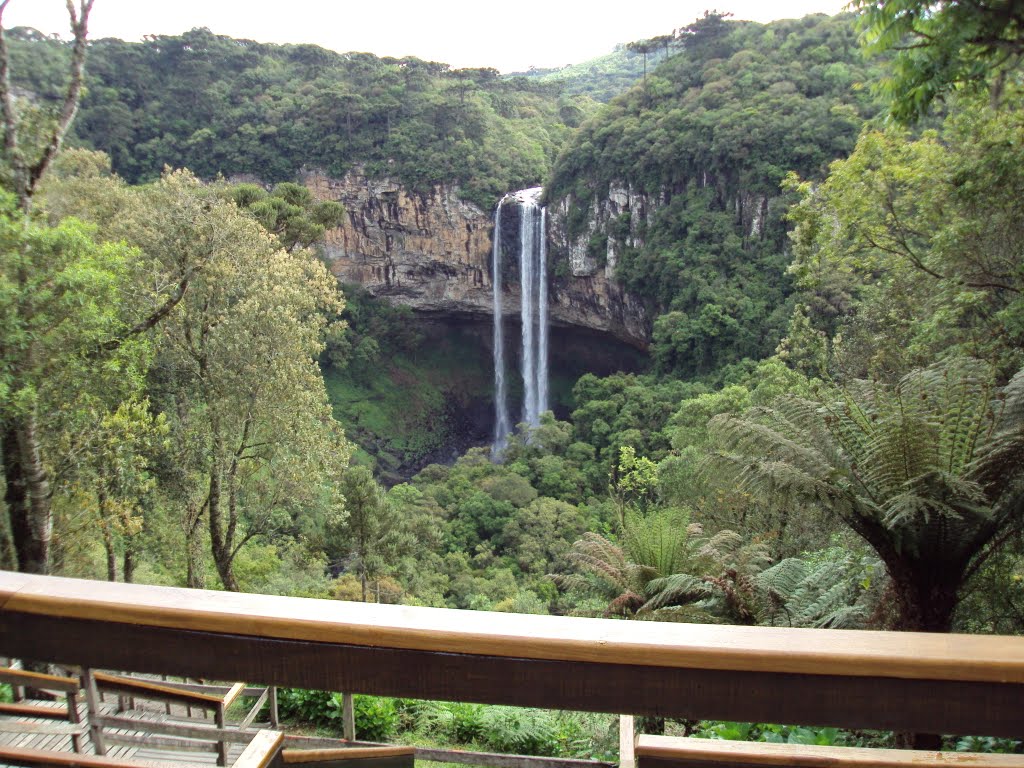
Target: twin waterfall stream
{"x":533,"y":314}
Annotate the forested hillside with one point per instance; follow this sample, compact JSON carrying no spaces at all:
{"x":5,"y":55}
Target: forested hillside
{"x":604,"y":77}
{"x":829,"y":247}
{"x":221,"y":106}
{"x":703,"y":146}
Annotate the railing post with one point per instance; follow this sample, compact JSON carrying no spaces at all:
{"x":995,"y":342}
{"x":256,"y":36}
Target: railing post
{"x":93,"y":705}
{"x":348,"y":717}
{"x":222,"y":746}
{"x":273,"y":706}
{"x":627,"y":742}
{"x":71,"y":699}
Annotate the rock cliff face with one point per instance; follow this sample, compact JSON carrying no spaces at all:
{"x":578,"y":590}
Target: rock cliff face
{"x":432,"y":252}
{"x":627,"y":212}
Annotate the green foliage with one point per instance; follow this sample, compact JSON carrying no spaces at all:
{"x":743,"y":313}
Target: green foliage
{"x":236,"y":107}
{"x":663,"y":567}
{"x":939,"y":47}
{"x":601,"y":78}
{"x":318,"y":707}
{"x":914,"y":239}
{"x":376,"y":717}
{"x":371,"y":537}
{"x":401,"y":385}
{"x":520,"y":731}
{"x":832,"y":588}
{"x":769,"y":732}
{"x":910,"y":468}
{"x":288,"y":212}
{"x":994,"y":598}
{"x":453,"y":722}
{"x":988,"y":744}
{"x":703,"y":148}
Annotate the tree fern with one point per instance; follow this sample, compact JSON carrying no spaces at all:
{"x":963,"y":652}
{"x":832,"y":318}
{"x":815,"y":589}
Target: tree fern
{"x":836,"y":591}
{"x":928,"y":471}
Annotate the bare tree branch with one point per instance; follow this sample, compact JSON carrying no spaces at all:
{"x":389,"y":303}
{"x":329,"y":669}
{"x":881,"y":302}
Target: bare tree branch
{"x":6,"y":104}
{"x":80,"y":29}
{"x":144,"y":325}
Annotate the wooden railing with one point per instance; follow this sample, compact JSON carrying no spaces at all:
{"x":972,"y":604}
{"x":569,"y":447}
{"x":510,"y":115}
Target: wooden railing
{"x":954,"y":684}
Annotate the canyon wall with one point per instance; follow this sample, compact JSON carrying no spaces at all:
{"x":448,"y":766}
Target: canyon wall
{"x":432,"y":252}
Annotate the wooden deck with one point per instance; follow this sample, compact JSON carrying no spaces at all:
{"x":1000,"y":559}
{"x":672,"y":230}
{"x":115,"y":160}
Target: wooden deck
{"x":29,"y":733}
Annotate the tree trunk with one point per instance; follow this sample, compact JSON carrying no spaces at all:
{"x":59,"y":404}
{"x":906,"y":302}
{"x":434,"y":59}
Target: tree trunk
{"x":129,"y":561}
{"x":108,"y":545}
{"x":27,"y":495}
{"x":108,"y":536}
{"x":195,"y":578}
{"x":221,"y":549}
{"x":926,"y":595}
{"x":8,"y":558}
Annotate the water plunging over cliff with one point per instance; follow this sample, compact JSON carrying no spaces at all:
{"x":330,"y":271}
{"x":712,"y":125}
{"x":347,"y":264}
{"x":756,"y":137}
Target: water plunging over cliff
{"x":532,"y":247}
{"x":502,"y":426}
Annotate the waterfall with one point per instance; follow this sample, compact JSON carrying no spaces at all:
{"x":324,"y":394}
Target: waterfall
{"x":542,"y":303}
{"x":502,"y":425}
{"x":533,"y":313}
{"x":528,"y":311}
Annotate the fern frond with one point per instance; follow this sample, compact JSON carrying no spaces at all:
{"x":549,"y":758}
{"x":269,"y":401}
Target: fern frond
{"x":676,"y":590}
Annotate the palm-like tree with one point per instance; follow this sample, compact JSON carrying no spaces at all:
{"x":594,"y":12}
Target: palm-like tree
{"x":663,"y":567}
{"x":929,"y":472}
{"x":617,"y":573}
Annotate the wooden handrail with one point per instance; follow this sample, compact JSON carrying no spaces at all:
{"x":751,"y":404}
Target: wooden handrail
{"x":904,"y":681}
{"x":263,"y":749}
{"x":704,"y":646}
{"x":132,"y":686}
{"x":668,"y":752}
{"x":39,"y":680}
{"x":352,"y":753}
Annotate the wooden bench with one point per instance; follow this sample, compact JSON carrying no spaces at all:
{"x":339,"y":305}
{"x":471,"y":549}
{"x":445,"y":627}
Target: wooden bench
{"x":351,"y":757}
{"x":669,"y":752}
{"x":263,"y":751}
{"x":216,"y":699}
{"x":27,"y":710}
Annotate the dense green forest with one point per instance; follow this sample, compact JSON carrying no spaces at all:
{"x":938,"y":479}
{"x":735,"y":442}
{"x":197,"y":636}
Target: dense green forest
{"x":830,"y":434}
{"x":604,"y":77}
{"x":710,"y":135}
{"x":217,"y":105}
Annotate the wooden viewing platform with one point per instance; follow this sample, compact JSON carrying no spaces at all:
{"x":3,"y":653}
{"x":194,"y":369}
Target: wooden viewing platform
{"x":954,"y":684}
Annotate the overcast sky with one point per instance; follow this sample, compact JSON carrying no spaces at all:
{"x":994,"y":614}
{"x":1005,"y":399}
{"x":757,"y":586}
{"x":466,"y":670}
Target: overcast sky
{"x":509,"y":36}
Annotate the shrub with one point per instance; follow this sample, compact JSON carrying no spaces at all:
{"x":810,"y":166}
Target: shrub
{"x":376,"y":718}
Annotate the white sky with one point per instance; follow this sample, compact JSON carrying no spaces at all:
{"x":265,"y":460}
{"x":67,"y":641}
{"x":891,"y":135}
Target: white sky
{"x":509,"y":36}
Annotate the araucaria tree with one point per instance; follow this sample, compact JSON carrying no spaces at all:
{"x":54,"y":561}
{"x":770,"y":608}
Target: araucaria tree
{"x":928,"y":471}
